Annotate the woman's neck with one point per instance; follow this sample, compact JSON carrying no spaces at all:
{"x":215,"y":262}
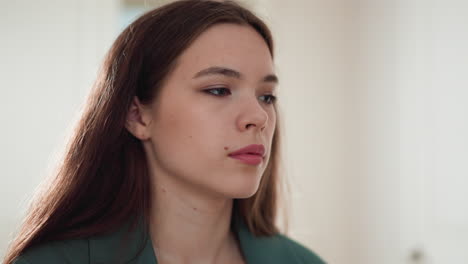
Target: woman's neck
{"x":189,"y":227}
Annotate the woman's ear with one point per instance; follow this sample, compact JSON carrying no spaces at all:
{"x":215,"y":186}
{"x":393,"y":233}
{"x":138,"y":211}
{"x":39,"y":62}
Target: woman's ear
{"x":138,"y":120}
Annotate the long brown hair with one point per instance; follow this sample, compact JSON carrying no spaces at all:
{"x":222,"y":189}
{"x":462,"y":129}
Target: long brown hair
{"x":103,"y":179}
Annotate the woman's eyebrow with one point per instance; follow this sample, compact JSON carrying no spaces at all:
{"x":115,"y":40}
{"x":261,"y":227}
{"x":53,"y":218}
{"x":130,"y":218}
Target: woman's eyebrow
{"x":217,"y":70}
{"x":271,"y":78}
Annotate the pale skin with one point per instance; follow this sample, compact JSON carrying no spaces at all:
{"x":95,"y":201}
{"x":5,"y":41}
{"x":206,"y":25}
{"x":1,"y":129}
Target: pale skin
{"x":188,"y":133}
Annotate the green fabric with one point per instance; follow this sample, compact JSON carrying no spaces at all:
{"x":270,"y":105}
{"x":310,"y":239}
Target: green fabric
{"x":135,"y":247}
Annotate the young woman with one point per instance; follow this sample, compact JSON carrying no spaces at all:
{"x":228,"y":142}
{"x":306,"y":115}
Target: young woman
{"x":175,"y":157}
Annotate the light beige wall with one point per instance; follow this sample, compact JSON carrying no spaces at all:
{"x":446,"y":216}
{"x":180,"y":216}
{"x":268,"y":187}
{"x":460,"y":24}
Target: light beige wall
{"x":312,"y":60}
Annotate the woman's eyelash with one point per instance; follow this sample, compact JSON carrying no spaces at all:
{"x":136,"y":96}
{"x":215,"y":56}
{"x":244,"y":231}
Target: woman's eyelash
{"x":222,"y":91}
{"x":218,"y":91}
{"x":270,"y":98}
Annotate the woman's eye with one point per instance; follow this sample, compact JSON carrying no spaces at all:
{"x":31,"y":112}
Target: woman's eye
{"x":221,"y":91}
{"x":268,"y":98}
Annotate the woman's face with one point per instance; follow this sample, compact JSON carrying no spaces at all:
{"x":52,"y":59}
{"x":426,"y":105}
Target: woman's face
{"x":218,"y":99}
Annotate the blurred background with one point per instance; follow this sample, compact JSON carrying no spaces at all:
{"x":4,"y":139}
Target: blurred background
{"x":374,"y":97}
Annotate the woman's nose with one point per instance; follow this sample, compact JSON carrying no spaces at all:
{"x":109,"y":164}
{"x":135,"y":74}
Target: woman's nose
{"x":252,"y":115}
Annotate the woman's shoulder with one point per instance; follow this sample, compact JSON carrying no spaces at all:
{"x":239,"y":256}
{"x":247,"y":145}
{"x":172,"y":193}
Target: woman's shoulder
{"x":67,"y":251}
{"x":122,"y":244}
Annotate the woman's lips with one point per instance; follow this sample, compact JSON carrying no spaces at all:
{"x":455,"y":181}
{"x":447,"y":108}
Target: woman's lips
{"x":251,"y":159}
{"x":251,"y":154}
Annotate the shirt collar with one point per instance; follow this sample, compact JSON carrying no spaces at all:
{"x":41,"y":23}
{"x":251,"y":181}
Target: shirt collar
{"x":135,"y":246}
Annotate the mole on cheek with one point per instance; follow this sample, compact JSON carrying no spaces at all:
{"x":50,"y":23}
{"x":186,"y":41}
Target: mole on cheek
{"x":226,"y":148}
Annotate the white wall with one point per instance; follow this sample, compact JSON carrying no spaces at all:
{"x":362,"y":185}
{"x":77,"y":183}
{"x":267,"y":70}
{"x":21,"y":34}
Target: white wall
{"x":49,"y":51}
{"x":432,"y":84}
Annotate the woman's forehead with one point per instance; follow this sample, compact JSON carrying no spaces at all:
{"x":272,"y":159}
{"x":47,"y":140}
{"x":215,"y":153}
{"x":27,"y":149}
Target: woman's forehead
{"x":233,"y":46}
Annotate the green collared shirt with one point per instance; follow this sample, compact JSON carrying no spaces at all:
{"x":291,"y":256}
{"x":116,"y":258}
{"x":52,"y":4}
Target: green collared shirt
{"x":135,"y":247}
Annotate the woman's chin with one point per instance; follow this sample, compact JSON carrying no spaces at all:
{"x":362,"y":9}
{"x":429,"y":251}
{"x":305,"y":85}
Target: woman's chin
{"x":242,"y":192}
